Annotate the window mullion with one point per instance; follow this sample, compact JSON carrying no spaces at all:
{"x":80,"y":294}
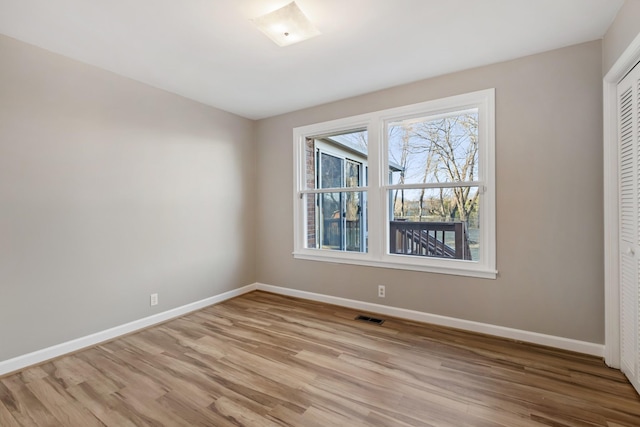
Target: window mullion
{"x":377,"y":215}
{"x":434,"y":185}
{"x":332,"y":190}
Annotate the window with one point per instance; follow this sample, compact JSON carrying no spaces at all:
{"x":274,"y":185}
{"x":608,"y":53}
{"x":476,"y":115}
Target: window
{"x":336,"y":216}
{"x":410,"y":188}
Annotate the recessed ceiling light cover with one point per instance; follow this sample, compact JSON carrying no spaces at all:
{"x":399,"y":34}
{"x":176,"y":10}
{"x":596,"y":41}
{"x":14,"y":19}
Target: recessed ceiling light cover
{"x":287,"y":25}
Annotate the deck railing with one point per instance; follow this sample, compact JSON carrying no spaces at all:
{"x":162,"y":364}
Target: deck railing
{"x":332,"y":234}
{"x":429,"y":239}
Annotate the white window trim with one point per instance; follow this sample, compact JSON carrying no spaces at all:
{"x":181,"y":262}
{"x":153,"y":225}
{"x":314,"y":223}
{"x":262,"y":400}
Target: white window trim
{"x":378,"y":255}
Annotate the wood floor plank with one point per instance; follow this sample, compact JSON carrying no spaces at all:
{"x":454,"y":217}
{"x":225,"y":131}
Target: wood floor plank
{"x":26,"y":408}
{"x":242,"y":415}
{"x":106,"y":408}
{"x":269,"y":360}
{"x":61,"y":404}
{"x":6,"y":419}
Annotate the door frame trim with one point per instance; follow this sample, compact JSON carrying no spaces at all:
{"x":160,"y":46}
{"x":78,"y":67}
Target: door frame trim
{"x":629,"y":58}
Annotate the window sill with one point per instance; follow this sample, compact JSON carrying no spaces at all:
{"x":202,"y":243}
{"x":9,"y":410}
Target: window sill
{"x":461,"y":268}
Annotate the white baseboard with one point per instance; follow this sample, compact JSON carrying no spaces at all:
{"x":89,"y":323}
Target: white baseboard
{"x":39,"y":356}
{"x":485,"y":328}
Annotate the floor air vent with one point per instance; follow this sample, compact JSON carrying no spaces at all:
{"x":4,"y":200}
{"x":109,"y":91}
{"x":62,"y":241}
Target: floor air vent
{"x":369,"y":319}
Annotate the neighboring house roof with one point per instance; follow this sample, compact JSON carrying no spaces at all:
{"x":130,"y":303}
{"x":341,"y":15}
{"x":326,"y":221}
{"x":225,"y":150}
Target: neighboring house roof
{"x":356,"y":147}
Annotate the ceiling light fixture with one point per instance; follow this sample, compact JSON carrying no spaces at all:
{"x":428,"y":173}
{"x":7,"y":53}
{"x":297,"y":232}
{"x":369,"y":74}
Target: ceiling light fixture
{"x":287,"y":25}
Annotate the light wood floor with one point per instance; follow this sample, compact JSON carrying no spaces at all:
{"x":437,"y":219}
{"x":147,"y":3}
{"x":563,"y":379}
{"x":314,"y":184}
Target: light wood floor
{"x":268,"y":360}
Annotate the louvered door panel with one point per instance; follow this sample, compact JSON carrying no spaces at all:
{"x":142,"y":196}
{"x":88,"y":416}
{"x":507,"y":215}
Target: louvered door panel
{"x":627,"y":168}
{"x":629,"y":205}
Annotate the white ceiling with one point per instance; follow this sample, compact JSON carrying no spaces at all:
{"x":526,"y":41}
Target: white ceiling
{"x":208,"y":50}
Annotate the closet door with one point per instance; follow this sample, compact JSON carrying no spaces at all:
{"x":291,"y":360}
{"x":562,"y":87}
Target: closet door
{"x":629,"y":166}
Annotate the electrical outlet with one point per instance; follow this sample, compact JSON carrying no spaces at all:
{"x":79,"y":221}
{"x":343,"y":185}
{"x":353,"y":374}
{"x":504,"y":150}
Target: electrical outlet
{"x":381,"y":291}
{"x":154,"y":299}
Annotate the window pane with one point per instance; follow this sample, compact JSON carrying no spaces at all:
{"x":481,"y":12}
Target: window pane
{"x":353,"y":174}
{"x":354,"y":144}
{"x":434,"y":149}
{"x":337,"y":221}
{"x":331,"y":171}
{"x":331,"y":220}
{"x":353,"y":222}
{"x":440,"y":222}
{"x":336,"y":161}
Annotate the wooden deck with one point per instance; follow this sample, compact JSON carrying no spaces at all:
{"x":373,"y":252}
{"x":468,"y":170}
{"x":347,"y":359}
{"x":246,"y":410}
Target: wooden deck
{"x":429,"y":239}
{"x":268,"y":360}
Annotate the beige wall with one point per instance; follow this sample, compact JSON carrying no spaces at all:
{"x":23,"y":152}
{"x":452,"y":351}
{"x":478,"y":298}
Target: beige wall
{"x":549,"y":201}
{"x":623,"y":30}
{"x":111,"y":190}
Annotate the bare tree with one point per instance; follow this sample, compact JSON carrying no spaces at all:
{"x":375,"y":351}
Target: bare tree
{"x":451,"y":145}
{"x":402,"y":161}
